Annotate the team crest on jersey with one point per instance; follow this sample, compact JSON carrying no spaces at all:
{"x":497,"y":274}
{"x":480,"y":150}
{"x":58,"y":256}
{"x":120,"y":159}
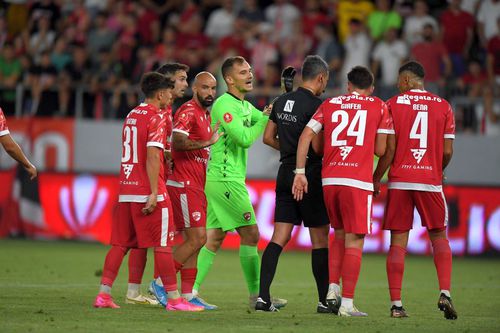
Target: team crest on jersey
{"x":247,"y":216}
{"x":344,"y":151}
{"x":171,"y":235}
{"x":127,"y":169}
{"x":289,"y":106}
{"x":403,"y":100}
{"x":418,"y":154}
{"x":196,"y":216}
{"x":228,"y":117}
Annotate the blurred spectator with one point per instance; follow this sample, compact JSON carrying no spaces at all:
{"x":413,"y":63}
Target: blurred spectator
{"x":126,"y":42}
{"x":295,"y":48}
{"x":415,"y":23}
{"x":357,"y":50}
{"x":165,"y":50}
{"x":42,"y":40}
{"x":330,"y":50}
{"x":383,"y":19}
{"x":220,"y":22}
{"x":472,"y":84}
{"x":99,"y":36}
{"x":487,"y":16}
{"x":312,"y":17}
{"x":352,"y":9}
{"x":237,"y":42}
{"x":388,"y":56}
{"x":282,"y":15}
{"x":42,"y":81}
{"x":60,"y":56}
{"x":191,"y":43}
{"x":79,"y":21}
{"x":470,"y":6}
{"x":10,"y":73}
{"x":148,"y":25}
{"x":47,"y":9}
{"x":3,"y":31}
{"x":95,"y":6}
{"x":457,"y":28}
{"x":432,"y":54}
{"x":263,"y":52}
{"x":17,"y":16}
{"x":251,"y":14}
{"x":492,"y":109}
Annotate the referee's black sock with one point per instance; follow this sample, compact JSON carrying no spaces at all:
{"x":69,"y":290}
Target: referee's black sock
{"x":268,"y":269}
{"x":319,"y":263}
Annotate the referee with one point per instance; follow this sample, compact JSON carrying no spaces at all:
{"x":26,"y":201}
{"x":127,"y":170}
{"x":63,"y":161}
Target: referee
{"x":290,"y":114}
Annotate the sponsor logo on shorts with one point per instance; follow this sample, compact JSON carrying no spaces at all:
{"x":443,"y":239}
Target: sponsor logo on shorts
{"x":228,"y":117}
{"x":247,"y":216}
{"x":196,"y":216}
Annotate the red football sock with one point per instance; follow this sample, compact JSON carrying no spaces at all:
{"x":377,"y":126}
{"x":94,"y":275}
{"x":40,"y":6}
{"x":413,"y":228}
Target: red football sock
{"x":395,"y":266}
{"x":351,"y":266}
{"x":166,"y":269}
{"x":337,"y":249}
{"x":442,"y":261}
{"x":112,"y":264}
{"x":178,"y":266}
{"x":136,"y":263}
{"x":188,"y":276}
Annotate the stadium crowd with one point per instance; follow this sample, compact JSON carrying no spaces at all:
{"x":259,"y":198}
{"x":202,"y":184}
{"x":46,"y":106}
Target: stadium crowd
{"x":58,"y":55}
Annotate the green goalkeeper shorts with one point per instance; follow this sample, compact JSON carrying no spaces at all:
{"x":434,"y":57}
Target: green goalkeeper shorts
{"x":229,"y":205}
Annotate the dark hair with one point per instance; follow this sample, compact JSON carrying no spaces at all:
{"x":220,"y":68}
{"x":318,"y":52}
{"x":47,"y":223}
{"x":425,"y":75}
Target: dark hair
{"x":227,"y":65}
{"x":312,"y":66}
{"x":169,"y":69}
{"x":151,"y":82}
{"x":360,"y":77}
{"x":414,"y":68}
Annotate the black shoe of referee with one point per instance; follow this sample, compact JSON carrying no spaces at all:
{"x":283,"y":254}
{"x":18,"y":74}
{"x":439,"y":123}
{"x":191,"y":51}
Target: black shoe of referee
{"x":323,"y":308}
{"x":261,"y":305}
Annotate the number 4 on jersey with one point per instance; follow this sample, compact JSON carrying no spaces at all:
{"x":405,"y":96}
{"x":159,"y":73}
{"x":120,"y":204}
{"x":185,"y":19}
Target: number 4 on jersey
{"x":419,"y":132}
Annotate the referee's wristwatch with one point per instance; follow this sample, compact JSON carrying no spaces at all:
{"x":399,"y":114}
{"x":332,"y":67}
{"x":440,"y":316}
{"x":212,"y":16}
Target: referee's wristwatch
{"x":300,"y":171}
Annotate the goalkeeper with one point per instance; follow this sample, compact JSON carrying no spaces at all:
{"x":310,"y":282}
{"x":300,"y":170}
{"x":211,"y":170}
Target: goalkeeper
{"x":229,"y":207}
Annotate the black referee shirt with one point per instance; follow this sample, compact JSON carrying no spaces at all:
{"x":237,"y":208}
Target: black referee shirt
{"x":291,"y":113}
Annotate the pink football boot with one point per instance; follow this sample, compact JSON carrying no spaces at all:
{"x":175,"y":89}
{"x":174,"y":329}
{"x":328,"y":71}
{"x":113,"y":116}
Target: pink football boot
{"x":181,"y":304}
{"x":104,"y":300}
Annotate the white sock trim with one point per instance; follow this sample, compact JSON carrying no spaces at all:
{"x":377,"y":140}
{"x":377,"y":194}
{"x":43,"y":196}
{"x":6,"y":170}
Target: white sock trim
{"x":397,"y":303}
{"x":446,"y":292}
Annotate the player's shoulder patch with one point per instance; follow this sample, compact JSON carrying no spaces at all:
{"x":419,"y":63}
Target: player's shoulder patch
{"x":228,"y":117}
{"x":403,"y":99}
{"x":335,"y":100}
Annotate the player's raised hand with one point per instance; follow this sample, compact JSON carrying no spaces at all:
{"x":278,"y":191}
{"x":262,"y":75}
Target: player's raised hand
{"x":267,"y":109}
{"x":215,"y":133}
{"x":32,"y":171}
{"x":299,"y":186}
{"x":150,"y":204}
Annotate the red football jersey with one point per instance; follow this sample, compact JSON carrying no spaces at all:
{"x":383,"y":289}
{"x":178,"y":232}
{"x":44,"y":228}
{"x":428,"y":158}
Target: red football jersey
{"x":421,"y":121}
{"x":144,"y":127}
{"x":168,"y":127}
{"x":351,"y":123}
{"x":190,"y":167}
{"x":3,"y":124}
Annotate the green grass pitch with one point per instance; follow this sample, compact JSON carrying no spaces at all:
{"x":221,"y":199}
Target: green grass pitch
{"x":50,"y":287}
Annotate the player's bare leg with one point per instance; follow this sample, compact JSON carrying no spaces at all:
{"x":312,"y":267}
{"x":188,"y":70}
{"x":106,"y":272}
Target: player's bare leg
{"x":215,"y":237}
{"x":351,"y":266}
{"x":443,"y":262}
{"x":281,"y":236}
{"x":336,"y":258}
{"x":112,"y":265}
{"x":136,"y":264}
{"x":395,"y":266}
{"x":319,"y":264}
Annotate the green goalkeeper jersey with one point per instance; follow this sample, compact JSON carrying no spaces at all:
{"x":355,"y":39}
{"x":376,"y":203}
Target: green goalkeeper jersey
{"x":242,"y":124}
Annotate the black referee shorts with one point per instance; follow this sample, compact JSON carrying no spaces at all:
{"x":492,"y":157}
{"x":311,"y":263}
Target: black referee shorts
{"x":311,"y":209}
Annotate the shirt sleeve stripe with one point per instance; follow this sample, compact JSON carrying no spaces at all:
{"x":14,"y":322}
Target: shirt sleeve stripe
{"x":4,"y":132}
{"x":449,"y":136}
{"x":385,"y":131}
{"x":180,"y":131}
{"x":155,"y":144}
{"x":315,"y":125}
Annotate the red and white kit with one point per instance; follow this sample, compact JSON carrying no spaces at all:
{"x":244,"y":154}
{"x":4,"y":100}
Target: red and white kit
{"x":4,"y":130}
{"x":422,"y":121}
{"x":351,"y":123}
{"x":187,"y":183}
{"x":144,"y":127}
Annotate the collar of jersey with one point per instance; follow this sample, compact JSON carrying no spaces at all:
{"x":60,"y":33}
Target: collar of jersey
{"x":240,"y":100}
{"x":418,"y":90}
